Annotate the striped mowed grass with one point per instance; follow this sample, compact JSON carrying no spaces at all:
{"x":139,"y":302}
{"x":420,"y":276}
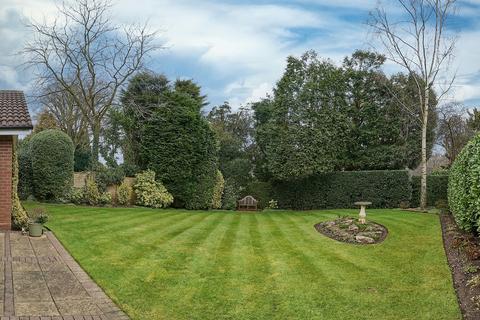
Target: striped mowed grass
{"x":179,"y":264}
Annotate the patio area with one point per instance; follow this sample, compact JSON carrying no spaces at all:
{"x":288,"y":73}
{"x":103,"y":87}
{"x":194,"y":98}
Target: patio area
{"x":41,"y":281}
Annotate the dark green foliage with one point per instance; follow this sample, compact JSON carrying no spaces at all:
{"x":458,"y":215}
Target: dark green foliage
{"x":464,"y":186}
{"x":171,"y":137}
{"x":52,"y":164}
{"x":82,"y":158}
{"x":307,"y":127}
{"x":107,"y":176}
{"x":385,"y":134}
{"x":385,"y":189}
{"x":323,"y":118}
{"x":24,"y":155}
{"x":233,"y":131}
{"x":129,"y":169}
{"x":261,"y":191}
{"x":437,"y":186}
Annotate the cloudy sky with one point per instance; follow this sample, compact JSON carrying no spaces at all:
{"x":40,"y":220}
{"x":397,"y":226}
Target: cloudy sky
{"x":236,"y":50}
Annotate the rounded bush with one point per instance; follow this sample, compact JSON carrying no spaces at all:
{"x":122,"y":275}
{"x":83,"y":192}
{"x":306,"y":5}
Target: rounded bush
{"x":124,"y":194}
{"x":151,"y":193}
{"x":464,"y":186}
{"x":52,"y":164}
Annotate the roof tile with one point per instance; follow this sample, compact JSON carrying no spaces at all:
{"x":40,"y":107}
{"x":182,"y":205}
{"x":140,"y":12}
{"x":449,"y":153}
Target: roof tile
{"x":13,"y":110}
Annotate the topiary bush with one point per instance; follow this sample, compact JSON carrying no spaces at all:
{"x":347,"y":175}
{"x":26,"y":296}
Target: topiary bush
{"x":124,"y":194}
{"x":150,"y":193}
{"x":52,"y":164}
{"x":464,"y":187}
{"x":384,"y":188}
{"x":218,"y":191}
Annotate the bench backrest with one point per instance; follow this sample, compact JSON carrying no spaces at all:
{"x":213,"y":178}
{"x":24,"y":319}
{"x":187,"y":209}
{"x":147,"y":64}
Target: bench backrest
{"x":247,"y":201}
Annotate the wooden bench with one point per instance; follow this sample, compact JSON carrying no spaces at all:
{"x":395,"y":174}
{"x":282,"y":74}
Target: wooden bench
{"x":247,"y":204}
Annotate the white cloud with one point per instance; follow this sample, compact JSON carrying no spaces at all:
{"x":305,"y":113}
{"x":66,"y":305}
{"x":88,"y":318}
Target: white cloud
{"x":244,"y":45}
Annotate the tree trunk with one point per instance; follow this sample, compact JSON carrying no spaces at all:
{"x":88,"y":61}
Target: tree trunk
{"x":423,"y":188}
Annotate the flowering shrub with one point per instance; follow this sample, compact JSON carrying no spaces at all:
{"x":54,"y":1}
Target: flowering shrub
{"x":124,"y":194}
{"x":272,"y":204}
{"x":150,"y":193}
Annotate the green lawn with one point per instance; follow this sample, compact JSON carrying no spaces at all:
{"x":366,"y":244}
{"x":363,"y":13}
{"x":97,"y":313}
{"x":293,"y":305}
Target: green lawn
{"x":177,"y":264}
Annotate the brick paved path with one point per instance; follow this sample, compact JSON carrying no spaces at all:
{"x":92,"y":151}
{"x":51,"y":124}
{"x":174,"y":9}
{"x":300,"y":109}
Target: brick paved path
{"x":41,"y":281}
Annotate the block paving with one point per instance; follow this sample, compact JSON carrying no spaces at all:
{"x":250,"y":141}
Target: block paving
{"x":41,"y":281}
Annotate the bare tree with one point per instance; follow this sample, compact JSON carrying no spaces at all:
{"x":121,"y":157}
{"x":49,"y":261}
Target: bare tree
{"x":418,"y":41}
{"x":453,"y":130}
{"x":68,"y":115}
{"x":88,"y":57}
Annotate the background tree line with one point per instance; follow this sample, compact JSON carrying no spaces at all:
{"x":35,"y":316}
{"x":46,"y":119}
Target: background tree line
{"x":321,"y":117}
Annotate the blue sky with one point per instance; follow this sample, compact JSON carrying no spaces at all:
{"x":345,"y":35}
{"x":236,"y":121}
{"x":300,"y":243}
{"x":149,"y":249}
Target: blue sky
{"x":236,"y":50}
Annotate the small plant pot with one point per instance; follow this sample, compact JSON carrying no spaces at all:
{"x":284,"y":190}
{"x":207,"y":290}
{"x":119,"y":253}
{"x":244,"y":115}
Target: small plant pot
{"x":35,"y":229}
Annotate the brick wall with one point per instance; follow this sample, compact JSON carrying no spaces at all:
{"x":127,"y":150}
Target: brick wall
{"x":6,"y":182}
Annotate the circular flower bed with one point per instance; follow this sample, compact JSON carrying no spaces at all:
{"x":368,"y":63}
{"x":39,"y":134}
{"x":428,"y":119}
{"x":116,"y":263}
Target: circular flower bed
{"x":351,"y":231}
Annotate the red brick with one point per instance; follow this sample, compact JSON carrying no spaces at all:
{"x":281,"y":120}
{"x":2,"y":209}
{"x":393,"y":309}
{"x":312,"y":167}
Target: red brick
{"x":5,"y":182}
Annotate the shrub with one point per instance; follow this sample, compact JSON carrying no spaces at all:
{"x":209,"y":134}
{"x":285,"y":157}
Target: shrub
{"x":231,"y":193}
{"x":108,"y":176}
{"x":218,"y":191}
{"x":437,"y":185}
{"x":19,"y":215}
{"x":464,"y":186}
{"x":105,"y":198}
{"x":150,"y":193}
{"x":24,"y":158}
{"x":385,"y":189}
{"x":91,"y":193}
{"x":76,"y":196}
{"x":124,"y":194}
{"x":272,"y":204}
{"x":129,"y":169}
{"x":52,"y":164}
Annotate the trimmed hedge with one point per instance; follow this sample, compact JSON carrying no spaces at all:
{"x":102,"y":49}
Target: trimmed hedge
{"x":52,"y":164}
{"x":464,"y":187}
{"x":385,"y":189}
{"x":437,"y":186}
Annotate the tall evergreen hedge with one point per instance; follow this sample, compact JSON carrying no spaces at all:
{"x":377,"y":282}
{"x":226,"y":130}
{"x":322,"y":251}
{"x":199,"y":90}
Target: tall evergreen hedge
{"x":437,"y":186}
{"x":52,"y":164}
{"x":464,"y":187}
{"x":385,"y":189}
